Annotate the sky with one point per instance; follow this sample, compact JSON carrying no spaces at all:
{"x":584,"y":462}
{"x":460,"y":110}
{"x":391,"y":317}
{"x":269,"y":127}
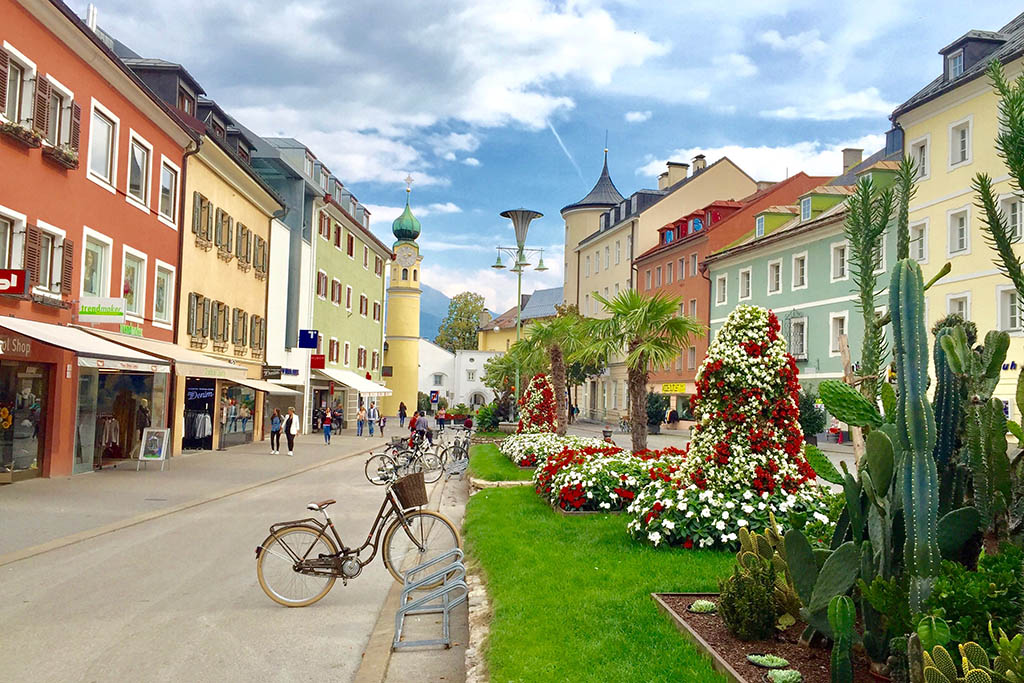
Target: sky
{"x":497,"y":105}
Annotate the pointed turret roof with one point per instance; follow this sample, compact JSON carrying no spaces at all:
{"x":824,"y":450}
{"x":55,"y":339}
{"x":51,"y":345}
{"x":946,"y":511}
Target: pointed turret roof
{"x":604,"y":195}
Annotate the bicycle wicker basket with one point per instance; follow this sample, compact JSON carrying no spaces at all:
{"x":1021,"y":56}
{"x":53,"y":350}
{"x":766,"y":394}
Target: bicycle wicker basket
{"x":411,"y":490}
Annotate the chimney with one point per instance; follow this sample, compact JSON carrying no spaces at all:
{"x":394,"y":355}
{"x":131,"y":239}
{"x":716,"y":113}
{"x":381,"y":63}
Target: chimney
{"x":851,"y":157}
{"x":90,"y":17}
{"x":699,"y":164}
{"x":677,"y":170}
{"x":663,"y":180}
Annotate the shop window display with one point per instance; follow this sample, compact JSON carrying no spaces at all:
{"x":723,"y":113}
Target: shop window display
{"x":113,"y":410}
{"x":24,"y":389}
{"x":200,"y":395}
{"x":237,"y":410}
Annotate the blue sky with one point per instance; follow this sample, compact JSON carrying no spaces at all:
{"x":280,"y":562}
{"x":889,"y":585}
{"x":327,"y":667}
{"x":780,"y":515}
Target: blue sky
{"x":468,"y":96}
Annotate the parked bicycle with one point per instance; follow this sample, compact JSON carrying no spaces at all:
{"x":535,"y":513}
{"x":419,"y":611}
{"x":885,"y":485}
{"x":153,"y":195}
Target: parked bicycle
{"x":458,"y":449}
{"x":400,"y":459}
{"x":298,"y":563}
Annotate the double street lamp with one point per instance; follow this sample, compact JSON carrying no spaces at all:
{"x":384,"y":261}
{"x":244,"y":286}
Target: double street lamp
{"x":521,"y":219}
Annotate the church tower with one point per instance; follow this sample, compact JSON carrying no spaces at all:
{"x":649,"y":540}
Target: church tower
{"x":402,"y":347}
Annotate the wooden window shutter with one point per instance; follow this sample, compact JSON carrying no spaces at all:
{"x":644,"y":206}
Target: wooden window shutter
{"x":4,"y":65}
{"x":67,"y":266}
{"x":240,"y":232}
{"x":197,"y":213}
{"x":41,"y":110}
{"x":263,"y":335}
{"x":33,"y":239}
{"x":235,"y":315}
{"x":219,"y":223}
{"x":192,"y":306}
{"x":248,"y":245}
{"x":245,"y":329}
{"x":207,"y":219}
{"x":206,"y":317}
{"x":224,"y":322}
{"x":230,"y":232}
{"x":253,"y":328}
{"x":76,"y":126}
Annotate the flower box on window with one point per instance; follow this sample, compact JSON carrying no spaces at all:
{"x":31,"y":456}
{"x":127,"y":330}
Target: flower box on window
{"x":24,"y":135}
{"x":62,"y":155}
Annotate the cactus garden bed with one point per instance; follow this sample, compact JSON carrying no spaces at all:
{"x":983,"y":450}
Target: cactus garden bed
{"x":729,"y":654}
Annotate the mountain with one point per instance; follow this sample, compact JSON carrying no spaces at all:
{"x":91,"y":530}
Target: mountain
{"x":433,"y":309}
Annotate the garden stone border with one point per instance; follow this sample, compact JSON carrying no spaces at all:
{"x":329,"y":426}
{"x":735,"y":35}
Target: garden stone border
{"x":572,"y":513}
{"x":485,"y":484}
{"x":479,"y":629}
{"x":719,"y":664}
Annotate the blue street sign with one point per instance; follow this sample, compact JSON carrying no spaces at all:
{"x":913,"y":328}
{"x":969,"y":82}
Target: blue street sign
{"x":434,"y":396}
{"x":308,"y":339}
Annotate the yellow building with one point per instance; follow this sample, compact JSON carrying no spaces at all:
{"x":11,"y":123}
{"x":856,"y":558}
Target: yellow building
{"x":600,"y":262}
{"x":499,"y":334}
{"x":949,"y":130}
{"x":402,"y":348}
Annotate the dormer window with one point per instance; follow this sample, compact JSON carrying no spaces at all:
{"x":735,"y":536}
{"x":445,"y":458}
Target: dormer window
{"x":186,"y":102}
{"x":218,"y":128}
{"x":759,"y":227}
{"x":956,"y":64}
{"x":243,"y":154}
{"x":669,"y":236}
{"x":805,"y":209}
{"x":308,"y":167}
{"x":323,"y":179}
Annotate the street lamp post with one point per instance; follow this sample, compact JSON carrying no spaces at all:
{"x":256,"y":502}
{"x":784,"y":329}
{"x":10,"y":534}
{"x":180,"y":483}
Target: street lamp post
{"x":521,"y":219}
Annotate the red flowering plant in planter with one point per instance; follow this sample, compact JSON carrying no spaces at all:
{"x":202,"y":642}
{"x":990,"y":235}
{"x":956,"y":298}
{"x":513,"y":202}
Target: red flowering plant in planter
{"x":575,"y":454}
{"x":537,"y":407}
{"x":745,"y":459}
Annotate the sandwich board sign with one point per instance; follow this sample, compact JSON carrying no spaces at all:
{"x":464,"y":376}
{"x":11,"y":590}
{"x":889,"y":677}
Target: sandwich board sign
{"x":155,"y":442}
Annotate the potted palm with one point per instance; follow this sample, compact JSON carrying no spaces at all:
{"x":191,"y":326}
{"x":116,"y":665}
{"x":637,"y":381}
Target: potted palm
{"x":657,"y":404}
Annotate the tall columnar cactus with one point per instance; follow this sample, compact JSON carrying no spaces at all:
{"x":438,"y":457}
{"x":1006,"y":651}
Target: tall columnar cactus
{"x":948,"y":404}
{"x":841,"y":617}
{"x":989,"y":463}
{"x":915,"y":429}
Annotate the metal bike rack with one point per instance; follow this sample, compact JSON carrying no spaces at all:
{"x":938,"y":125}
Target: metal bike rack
{"x":439,"y":598}
{"x":456,"y":467}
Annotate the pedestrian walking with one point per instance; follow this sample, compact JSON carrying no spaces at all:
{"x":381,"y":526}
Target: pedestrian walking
{"x":337,"y":418}
{"x":401,"y":414}
{"x":360,"y":420}
{"x":412,"y":423}
{"x":423,"y":426}
{"x":373,"y":416}
{"x":380,"y":423}
{"x":291,"y":428}
{"x":275,"y":431}
{"x":442,"y":418}
{"x":327,"y":427}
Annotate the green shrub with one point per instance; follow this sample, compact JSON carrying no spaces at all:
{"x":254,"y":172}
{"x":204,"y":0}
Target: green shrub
{"x":747,"y":602}
{"x":657,"y":406}
{"x":968,"y":600}
{"x":487,"y":418}
{"x":812,"y":418}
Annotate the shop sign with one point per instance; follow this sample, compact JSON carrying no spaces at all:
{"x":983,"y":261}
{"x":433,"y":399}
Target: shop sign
{"x":673,"y":388}
{"x":131,"y":330}
{"x":317,"y":361}
{"x":272,"y":372}
{"x":308,"y":339}
{"x":14,"y":345}
{"x":101,"y":309}
{"x":13,"y":281}
{"x":154,"y":446}
{"x":332,"y":388}
{"x":294,"y":372}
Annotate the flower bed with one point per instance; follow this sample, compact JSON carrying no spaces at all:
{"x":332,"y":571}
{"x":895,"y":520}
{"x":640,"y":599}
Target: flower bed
{"x":529,"y":450}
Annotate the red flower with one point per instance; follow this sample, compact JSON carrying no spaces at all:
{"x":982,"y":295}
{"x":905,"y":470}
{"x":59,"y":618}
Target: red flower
{"x":688,"y":544}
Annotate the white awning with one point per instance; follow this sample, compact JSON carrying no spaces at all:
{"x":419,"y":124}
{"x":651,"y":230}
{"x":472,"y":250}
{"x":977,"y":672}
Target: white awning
{"x":92,"y":351}
{"x":270,"y":388}
{"x":187,"y":363}
{"x":354,"y":381}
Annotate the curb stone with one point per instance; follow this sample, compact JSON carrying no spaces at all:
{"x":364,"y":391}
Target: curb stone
{"x":479,"y":629}
{"x":484,"y":484}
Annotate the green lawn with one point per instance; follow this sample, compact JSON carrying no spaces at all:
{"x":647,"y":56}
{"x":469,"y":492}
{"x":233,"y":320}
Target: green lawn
{"x":571,"y":595}
{"x":487,"y":463}
{"x":490,"y":435}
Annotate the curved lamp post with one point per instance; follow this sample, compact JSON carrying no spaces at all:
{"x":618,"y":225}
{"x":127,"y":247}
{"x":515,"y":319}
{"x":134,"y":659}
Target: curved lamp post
{"x":521,"y":219}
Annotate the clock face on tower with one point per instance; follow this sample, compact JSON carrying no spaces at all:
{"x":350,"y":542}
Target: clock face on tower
{"x":405,"y":255}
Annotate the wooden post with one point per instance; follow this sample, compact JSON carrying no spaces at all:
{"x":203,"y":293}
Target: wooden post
{"x":855,"y":433}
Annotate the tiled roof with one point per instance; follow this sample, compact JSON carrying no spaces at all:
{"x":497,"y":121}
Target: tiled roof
{"x":892,"y":165}
{"x":833,"y":189}
{"x":542,"y":303}
{"x":503,"y":321}
{"x":1012,"y":48}
{"x":793,"y":227}
{"x":778,"y":209}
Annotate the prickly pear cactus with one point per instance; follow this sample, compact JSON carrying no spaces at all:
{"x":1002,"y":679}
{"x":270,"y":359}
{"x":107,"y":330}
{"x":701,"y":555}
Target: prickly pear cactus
{"x":841,"y":617}
{"x":846,"y":404}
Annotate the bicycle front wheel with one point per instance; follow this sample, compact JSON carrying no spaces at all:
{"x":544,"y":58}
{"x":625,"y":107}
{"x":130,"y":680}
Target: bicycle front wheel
{"x":432,"y":531}
{"x":275,"y":566}
{"x":379,"y":469}
{"x":431,"y":466}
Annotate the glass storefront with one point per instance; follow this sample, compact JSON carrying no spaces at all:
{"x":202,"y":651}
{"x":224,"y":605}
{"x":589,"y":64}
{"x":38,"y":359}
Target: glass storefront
{"x":200,"y":395}
{"x":24,"y":391}
{"x":113,"y":410}
{"x":237,"y":413}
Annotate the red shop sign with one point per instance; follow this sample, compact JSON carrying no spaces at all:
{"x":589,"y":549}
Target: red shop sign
{"x":317,"y":361}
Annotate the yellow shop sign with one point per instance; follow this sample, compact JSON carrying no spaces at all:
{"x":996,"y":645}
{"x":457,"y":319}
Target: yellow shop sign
{"x":673,"y":388}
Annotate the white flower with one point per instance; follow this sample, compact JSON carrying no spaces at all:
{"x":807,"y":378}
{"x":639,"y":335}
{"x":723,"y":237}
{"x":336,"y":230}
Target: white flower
{"x":706,"y":512}
{"x":747,"y":509}
{"x":725,"y":515}
{"x":654,"y":537}
{"x":741,"y":522}
{"x":821,"y":518}
{"x":719,"y":525}
{"x":668,"y":524}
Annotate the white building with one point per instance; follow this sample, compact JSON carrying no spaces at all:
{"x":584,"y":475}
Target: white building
{"x":457,"y":377}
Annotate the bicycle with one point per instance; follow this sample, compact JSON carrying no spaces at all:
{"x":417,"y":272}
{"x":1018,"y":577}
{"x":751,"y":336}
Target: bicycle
{"x":298,"y":563}
{"x":459,"y":447}
{"x":624,"y":425}
{"x":400,"y":460}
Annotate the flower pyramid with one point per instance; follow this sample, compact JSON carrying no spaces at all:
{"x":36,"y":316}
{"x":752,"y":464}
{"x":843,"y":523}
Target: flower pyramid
{"x":537,"y":407}
{"x":745,"y":458}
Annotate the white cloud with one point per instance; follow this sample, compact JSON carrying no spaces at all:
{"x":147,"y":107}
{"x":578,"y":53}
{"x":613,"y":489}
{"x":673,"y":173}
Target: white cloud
{"x":839,"y":106}
{"x":772,"y":163}
{"x":807,"y":43}
{"x":446,"y":207}
{"x":735,"y":64}
{"x":638,"y":116}
{"x":382,"y":212}
{"x":471,"y":161}
{"x":446,"y":145}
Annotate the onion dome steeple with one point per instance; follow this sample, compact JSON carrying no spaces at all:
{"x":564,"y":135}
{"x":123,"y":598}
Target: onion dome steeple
{"x":604,"y":195}
{"x":406,"y":227}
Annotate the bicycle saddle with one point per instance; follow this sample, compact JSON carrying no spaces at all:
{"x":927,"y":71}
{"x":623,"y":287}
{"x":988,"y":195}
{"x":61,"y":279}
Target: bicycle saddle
{"x":321,"y":505}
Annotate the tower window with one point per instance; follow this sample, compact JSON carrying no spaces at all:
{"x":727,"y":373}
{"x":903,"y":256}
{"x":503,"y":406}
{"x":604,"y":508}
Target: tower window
{"x":414,"y":274}
{"x":405,"y":273}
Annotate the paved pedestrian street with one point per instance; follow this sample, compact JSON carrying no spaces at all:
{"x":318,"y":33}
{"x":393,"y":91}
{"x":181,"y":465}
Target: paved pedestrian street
{"x":176,"y":598}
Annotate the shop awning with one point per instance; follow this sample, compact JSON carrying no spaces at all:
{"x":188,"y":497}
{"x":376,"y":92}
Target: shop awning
{"x":269,"y":387}
{"x":187,"y":363}
{"x":354,"y":381}
{"x":92,"y":351}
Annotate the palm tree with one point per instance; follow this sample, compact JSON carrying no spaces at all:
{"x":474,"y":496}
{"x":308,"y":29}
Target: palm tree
{"x":558,"y":337}
{"x":651,"y":331}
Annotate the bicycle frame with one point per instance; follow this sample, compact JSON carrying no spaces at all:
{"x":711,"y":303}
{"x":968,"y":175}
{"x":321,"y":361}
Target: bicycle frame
{"x":388,"y":507}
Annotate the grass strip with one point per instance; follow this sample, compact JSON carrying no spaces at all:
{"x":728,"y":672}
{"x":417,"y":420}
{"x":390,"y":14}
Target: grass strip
{"x":486,"y":462}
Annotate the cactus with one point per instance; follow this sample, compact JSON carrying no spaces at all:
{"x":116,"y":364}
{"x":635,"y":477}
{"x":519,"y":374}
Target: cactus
{"x":816,"y":587}
{"x":946,"y":405}
{"x":939,"y":666}
{"x":841,"y":617}
{"x":770,"y":549}
{"x":915,"y":430}
{"x":847,"y":405}
{"x":899,"y":667}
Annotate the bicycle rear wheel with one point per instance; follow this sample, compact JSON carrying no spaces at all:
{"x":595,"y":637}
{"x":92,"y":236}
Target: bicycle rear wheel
{"x":432,"y":530}
{"x":379,"y":469}
{"x":431,"y":466}
{"x":275,"y":566}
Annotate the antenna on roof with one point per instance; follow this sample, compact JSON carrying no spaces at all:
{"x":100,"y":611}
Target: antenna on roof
{"x":605,"y":140}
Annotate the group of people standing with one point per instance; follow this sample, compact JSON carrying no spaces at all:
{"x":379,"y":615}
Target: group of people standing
{"x":289,"y":424}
